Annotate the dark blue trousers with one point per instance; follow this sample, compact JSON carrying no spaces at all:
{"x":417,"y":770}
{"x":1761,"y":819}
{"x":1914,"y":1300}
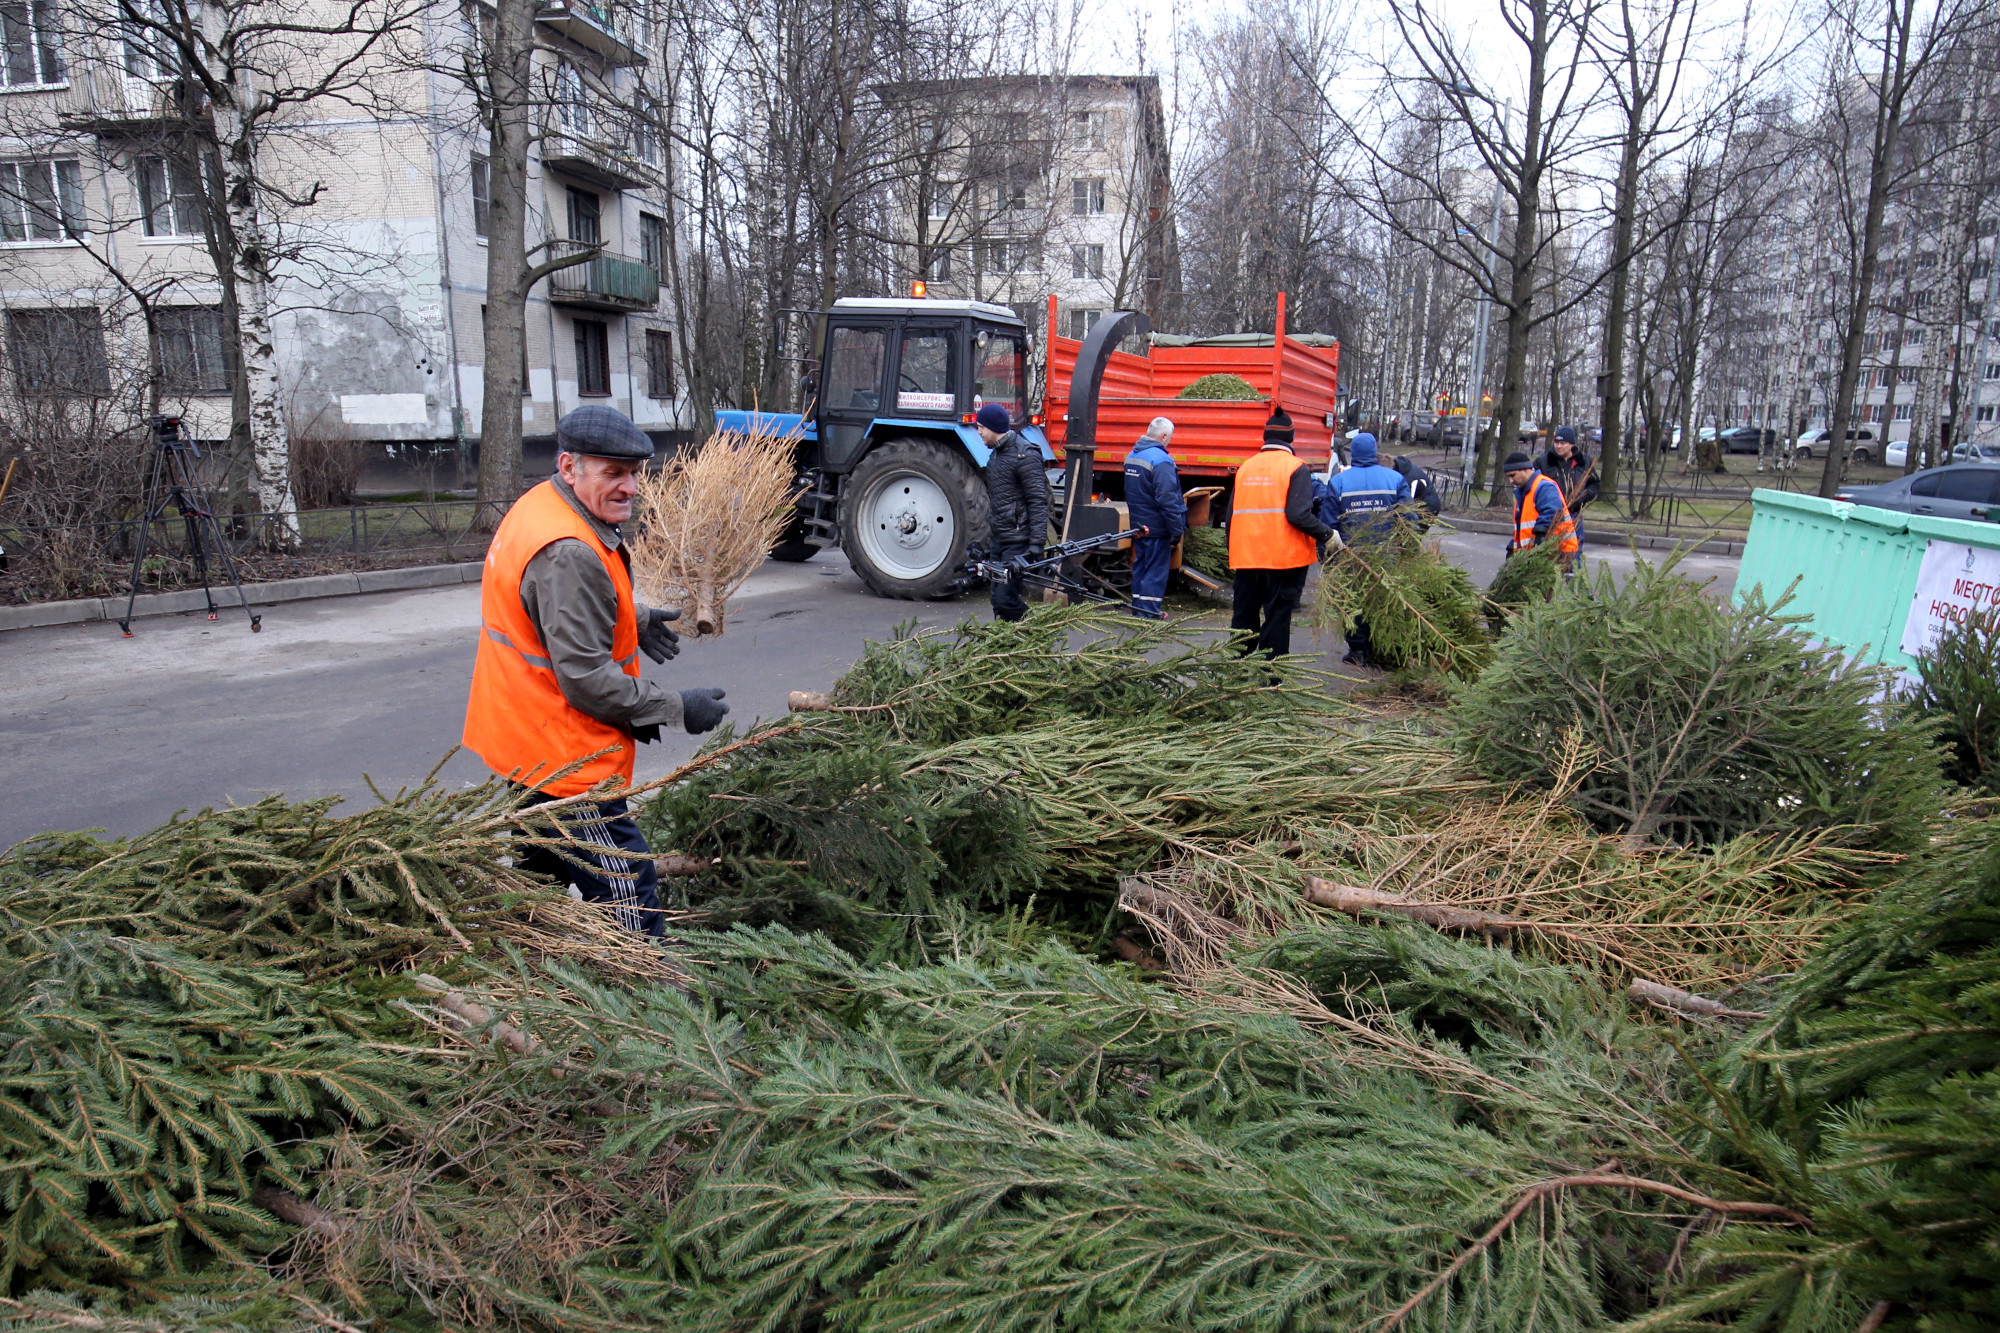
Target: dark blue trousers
{"x":1151,"y":557}
{"x":606,"y":860}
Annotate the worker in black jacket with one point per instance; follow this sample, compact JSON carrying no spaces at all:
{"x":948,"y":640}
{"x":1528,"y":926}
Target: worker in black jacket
{"x":1570,"y":468}
{"x":1017,"y":495}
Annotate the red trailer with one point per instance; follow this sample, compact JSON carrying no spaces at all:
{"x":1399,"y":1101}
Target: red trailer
{"x":1211,"y":438}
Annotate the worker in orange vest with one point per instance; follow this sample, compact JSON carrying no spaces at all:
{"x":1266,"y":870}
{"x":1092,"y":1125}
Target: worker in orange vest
{"x":1539,"y":512}
{"x":1274,"y":537}
{"x":558,"y":705}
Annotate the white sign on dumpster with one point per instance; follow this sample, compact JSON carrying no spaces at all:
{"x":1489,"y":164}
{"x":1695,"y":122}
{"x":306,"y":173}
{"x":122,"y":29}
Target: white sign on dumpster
{"x":1954,"y":580}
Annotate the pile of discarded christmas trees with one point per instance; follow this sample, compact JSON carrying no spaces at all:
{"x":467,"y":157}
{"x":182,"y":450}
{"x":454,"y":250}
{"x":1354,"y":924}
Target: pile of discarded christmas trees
{"x":1063,"y":975}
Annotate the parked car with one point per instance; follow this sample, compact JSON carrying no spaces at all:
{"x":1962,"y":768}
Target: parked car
{"x":1747,"y":440}
{"x":1895,"y":453}
{"x":1815,"y":443}
{"x":1959,"y":490}
{"x":1975,"y":453}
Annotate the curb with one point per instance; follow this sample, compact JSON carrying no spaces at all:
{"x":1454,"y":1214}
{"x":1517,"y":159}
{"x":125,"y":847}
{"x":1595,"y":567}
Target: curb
{"x":87,"y":609}
{"x":1592,"y":537}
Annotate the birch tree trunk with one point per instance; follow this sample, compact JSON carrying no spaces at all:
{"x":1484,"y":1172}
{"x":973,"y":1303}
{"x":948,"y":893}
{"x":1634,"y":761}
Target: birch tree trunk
{"x":256,"y":352}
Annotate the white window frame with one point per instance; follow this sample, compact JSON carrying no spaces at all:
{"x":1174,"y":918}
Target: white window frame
{"x":63,"y":178}
{"x":146,"y":47}
{"x":179,"y":226}
{"x":50,"y":66}
{"x":572,"y":100}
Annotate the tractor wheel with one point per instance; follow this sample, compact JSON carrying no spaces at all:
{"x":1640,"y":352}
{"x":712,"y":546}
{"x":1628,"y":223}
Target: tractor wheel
{"x":792,"y":546}
{"x":907,"y":515}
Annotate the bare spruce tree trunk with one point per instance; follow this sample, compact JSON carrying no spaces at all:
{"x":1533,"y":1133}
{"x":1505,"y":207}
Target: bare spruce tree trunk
{"x":256,"y":353}
{"x":510,"y":125}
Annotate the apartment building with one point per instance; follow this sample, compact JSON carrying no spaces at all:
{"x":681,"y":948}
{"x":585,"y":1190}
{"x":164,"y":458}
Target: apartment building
{"x":381,"y":276}
{"x":1042,"y":186}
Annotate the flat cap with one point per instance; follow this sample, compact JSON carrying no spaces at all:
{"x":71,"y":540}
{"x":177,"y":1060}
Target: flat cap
{"x":602,"y":432}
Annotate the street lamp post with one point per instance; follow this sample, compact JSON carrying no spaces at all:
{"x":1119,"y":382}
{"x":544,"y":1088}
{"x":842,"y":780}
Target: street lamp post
{"x":1476,"y":386}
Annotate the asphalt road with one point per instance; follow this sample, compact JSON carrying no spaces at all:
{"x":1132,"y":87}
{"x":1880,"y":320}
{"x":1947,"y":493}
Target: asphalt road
{"x":98,"y":731}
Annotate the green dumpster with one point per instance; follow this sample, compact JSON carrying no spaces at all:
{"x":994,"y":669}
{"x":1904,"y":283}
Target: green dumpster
{"x":1873,"y":582}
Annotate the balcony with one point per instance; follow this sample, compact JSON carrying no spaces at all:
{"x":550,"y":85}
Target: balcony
{"x":605,"y":282}
{"x":590,"y":28}
{"x":592,"y":162}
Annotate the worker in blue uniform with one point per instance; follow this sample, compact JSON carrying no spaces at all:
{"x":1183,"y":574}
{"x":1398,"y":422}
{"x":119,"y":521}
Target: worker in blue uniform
{"x":1365,"y":498}
{"x":1153,"y":499}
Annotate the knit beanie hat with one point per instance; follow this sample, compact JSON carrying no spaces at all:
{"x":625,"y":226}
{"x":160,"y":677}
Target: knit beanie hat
{"x":1278,"y":430}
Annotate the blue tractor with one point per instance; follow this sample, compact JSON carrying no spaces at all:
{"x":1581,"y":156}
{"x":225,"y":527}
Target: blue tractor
{"x":890,"y":466}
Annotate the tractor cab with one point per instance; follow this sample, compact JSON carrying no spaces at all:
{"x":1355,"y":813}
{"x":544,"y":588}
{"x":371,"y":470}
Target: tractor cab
{"x":891,"y":466}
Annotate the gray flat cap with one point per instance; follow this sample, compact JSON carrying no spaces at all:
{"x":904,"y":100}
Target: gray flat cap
{"x":602,"y":432}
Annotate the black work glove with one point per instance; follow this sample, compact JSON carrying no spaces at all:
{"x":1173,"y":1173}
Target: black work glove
{"x":655,"y":639}
{"x":1016,"y":566}
{"x":702,"y":708}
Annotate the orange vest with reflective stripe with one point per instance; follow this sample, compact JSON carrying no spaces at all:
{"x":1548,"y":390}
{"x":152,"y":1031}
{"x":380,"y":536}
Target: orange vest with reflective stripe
{"x":1562,"y":532}
{"x":1259,"y":535}
{"x":517,"y":719}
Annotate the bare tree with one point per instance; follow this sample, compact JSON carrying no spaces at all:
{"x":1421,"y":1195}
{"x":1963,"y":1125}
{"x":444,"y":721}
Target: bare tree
{"x":1878,"y":68}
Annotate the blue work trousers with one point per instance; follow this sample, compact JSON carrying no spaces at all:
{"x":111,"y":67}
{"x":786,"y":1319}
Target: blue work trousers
{"x":1151,"y":557}
{"x":604,"y":857}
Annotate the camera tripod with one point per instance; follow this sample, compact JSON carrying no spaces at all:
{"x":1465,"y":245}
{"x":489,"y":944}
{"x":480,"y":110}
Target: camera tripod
{"x":171,"y":481}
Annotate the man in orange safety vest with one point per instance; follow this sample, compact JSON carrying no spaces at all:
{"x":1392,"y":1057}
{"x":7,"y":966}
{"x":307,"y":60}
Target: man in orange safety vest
{"x":1539,"y":512}
{"x":1274,"y":536}
{"x":558,"y":705}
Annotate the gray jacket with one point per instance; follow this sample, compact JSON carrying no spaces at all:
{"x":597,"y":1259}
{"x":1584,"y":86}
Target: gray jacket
{"x":568,"y":595}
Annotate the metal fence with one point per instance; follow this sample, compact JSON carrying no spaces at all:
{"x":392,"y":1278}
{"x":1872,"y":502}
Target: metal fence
{"x":424,"y":532}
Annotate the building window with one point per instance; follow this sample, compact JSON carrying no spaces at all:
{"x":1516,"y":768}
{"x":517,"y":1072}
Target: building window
{"x":149,"y":52}
{"x":1090,"y":128}
{"x":653,"y":242}
{"x":1008,"y":195}
{"x":593,"y":359}
{"x":1086,"y":261}
{"x":58,"y":352}
{"x":1002,"y":256}
{"x":646,"y":129}
{"x":572,"y":106}
{"x":585,"y":217}
{"x":1081,"y":322}
{"x":1993,"y":370}
{"x":482,"y":196}
{"x":1086,"y":196}
{"x":32,"y":32}
{"x":169,"y":198}
{"x":660,"y":365}
{"x":1986,"y":411}
{"x":1913,"y":338}
{"x":41,"y":200}
{"x":194,"y":355}
{"x":1904,"y":411}
{"x":941,"y":200}
{"x":940,"y":266}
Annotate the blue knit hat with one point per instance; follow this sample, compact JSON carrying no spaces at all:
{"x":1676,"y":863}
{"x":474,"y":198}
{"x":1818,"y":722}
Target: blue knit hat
{"x":994,"y":417}
{"x":1566,"y":433}
{"x":1362,"y":449}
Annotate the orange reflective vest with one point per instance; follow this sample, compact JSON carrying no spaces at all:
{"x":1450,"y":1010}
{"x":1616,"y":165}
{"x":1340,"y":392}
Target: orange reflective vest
{"x":1562,"y":532}
{"x":1260,"y":537}
{"x":517,"y":719}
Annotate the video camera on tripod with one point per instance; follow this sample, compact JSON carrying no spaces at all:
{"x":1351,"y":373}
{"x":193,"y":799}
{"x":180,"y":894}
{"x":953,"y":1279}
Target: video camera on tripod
{"x":171,"y":480}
